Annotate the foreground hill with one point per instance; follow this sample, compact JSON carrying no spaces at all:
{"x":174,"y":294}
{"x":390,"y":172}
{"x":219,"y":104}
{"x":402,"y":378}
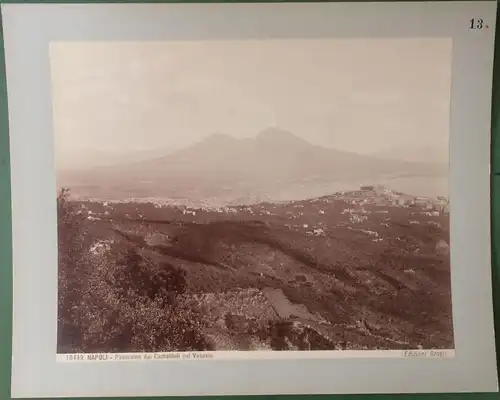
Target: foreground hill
{"x":347,"y":271}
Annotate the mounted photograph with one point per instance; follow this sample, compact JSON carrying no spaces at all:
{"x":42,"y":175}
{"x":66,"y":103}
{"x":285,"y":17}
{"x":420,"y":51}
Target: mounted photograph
{"x":250,"y":190}
{"x":271,"y":195}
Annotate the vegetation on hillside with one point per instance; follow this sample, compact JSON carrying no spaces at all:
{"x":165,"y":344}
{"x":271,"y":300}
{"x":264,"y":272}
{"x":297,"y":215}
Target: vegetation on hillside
{"x":118,"y":302}
{"x":338,"y":272}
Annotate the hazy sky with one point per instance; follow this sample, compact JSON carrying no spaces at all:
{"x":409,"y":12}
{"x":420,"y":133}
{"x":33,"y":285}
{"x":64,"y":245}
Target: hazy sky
{"x":361,"y":95}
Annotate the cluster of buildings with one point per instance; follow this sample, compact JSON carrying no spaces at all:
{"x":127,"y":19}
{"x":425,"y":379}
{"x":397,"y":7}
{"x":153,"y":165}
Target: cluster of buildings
{"x":381,"y":196}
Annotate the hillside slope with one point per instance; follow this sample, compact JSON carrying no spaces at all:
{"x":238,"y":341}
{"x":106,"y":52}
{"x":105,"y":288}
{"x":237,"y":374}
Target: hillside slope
{"x":348,"y":271}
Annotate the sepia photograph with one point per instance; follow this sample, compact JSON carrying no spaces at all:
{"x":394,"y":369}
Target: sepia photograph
{"x":252,"y":195}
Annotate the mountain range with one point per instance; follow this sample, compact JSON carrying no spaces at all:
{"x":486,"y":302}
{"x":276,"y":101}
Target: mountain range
{"x":275,"y":164}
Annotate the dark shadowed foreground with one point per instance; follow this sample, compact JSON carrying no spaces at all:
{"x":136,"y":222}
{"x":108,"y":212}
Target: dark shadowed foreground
{"x":354,"y":270}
